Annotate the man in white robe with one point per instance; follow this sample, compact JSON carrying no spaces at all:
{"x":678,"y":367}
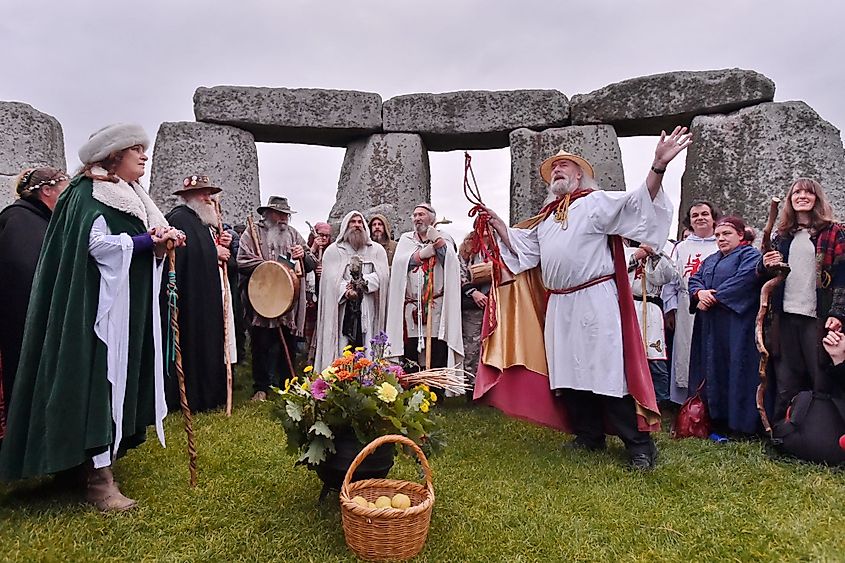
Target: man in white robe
{"x":688,"y":256}
{"x":420,"y":253}
{"x":583,"y":339}
{"x":648,"y":272}
{"x":339,"y":292}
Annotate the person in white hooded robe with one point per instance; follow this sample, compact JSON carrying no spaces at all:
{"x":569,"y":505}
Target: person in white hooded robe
{"x":341,"y":296}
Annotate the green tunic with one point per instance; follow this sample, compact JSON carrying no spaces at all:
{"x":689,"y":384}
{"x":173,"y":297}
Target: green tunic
{"x":60,"y":413}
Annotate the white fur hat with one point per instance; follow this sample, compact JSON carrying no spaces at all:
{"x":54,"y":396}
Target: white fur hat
{"x":111,"y":138}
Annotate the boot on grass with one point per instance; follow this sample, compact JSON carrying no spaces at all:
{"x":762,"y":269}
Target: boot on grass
{"x":103,"y":493}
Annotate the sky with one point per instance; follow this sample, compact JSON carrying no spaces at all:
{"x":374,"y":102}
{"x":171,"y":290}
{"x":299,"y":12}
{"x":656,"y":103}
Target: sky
{"x":91,"y":62}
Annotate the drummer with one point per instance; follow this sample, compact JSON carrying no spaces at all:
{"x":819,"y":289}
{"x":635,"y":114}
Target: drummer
{"x":280,"y":242}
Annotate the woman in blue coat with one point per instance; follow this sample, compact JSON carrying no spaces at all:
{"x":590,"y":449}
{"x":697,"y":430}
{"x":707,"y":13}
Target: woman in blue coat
{"x":725,"y":297}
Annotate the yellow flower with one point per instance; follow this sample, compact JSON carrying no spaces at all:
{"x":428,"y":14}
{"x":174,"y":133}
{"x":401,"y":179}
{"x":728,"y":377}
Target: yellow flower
{"x":359,"y":349}
{"x":347,"y":348}
{"x":433,"y":396}
{"x":424,"y":406}
{"x":387,"y":392}
{"x":347,"y":353}
{"x":306,"y":385}
{"x":289,"y":382}
{"x":424,"y":387}
{"x":308,"y":369}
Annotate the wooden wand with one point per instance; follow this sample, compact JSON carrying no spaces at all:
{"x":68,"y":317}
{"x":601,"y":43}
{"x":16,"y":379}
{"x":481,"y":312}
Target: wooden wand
{"x":227,"y":300}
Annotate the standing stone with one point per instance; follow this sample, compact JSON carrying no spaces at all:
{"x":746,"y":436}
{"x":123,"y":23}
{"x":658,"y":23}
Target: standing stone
{"x":226,"y":154}
{"x":475,"y":119}
{"x":597,"y":143}
{"x":384,"y":170}
{"x":648,"y":104}
{"x":309,"y":116}
{"x":740,"y":160}
{"x":28,"y":138}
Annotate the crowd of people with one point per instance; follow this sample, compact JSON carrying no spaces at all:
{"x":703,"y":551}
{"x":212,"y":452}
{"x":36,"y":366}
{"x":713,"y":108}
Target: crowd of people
{"x":581,"y":318}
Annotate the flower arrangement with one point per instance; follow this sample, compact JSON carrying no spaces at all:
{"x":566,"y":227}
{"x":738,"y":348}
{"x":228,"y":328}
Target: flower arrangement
{"x":359,"y":391}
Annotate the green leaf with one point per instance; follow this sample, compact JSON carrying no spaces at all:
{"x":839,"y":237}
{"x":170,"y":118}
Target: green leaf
{"x":294,"y":411}
{"x":316,"y":452}
{"x":322,"y":429}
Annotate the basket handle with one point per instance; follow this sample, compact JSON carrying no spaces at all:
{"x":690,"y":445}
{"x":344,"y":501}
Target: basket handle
{"x":380,"y":441}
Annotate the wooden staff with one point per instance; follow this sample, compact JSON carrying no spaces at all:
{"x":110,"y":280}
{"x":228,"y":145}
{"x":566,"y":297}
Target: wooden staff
{"x":257,"y":242}
{"x":227,"y":299}
{"x":173,"y":295}
{"x":782,"y":270}
{"x":430,"y":318}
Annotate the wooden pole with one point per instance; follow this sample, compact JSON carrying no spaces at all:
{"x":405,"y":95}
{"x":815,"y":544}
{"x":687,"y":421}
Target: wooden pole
{"x":227,"y":300}
{"x":430,"y":318}
{"x":172,"y":294}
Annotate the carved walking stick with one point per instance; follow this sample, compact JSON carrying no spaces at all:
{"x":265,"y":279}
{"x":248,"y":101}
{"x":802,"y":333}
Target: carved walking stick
{"x":782,"y":270}
{"x":227,"y":299}
{"x":172,"y":297}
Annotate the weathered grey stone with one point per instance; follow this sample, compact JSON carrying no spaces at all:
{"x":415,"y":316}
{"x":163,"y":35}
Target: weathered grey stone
{"x":28,"y":138}
{"x":282,"y":115}
{"x":226,"y":154}
{"x":649,"y":104}
{"x":474,"y":119}
{"x":740,"y":160}
{"x":597,"y":143}
{"x":387,"y":168}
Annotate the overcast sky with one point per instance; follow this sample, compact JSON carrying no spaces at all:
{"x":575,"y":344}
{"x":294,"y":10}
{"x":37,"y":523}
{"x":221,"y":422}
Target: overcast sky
{"x":89,"y":63}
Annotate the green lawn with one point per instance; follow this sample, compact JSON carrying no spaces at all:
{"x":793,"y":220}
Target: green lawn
{"x":506,"y":491}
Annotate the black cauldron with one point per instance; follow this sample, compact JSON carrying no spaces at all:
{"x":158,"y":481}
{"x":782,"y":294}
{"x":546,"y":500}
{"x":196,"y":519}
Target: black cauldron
{"x":332,"y":471}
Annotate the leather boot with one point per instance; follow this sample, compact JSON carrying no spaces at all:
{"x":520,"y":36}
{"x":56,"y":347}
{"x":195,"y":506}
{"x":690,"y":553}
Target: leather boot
{"x":103,"y":493}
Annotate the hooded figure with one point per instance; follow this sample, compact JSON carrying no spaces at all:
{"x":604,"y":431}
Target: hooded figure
{"x":387,"y":239}
{"x":345,"y":294}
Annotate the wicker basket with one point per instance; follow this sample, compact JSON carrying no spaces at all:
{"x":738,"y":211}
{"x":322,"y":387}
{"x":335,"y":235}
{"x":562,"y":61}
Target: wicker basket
{"x":386,"y":533}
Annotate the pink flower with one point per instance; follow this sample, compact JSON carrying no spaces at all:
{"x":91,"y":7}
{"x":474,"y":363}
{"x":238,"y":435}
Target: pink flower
{"x":319,"y":388}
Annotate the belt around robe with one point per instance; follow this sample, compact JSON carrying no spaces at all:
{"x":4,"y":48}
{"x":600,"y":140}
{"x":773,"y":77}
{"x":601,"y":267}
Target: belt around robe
{"x":651,"y":299}
{"x":579,"y":287}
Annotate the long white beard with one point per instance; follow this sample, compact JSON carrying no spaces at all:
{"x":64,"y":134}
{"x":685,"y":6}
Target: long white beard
{"x":563,"y":186}
{"x":205,"y":211}
{"x":357,"y":239}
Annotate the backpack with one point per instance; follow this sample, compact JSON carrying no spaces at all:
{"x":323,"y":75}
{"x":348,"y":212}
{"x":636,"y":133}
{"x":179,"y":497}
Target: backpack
{"x":812,"y":429}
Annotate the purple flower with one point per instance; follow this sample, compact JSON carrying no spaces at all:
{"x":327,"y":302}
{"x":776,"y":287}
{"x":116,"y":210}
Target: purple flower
{"x":367,"y":380}
{"x":380,"y":338}
{"x":319,"y":389}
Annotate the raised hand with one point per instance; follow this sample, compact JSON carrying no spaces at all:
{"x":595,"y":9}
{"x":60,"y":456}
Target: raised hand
{"x":669,"y":146}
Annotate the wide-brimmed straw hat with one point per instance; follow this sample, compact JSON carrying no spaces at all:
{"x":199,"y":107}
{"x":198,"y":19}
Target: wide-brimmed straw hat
{"x":197,"y":182}
{"x":546,"y":167}
{"x":277,"y":203}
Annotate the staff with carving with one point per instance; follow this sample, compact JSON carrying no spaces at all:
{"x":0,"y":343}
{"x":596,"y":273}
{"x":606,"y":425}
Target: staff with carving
{"x":811,"y":300}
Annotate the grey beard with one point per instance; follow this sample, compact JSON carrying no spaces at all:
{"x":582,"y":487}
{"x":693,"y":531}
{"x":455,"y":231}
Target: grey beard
{"x":205,"y":211}
{"x":357,"y":239}
{"x":421,"y":230}
{"x":563,"y":186}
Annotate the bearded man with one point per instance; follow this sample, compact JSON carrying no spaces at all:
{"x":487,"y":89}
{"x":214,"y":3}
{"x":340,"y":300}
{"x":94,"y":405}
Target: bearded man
{"x":593,"y":350}
{"x":415,"y":299}
{"x":202,"y":300}
{"x":353,"y":291}
{"x":278,"y":242}
{"x":381,"y":233}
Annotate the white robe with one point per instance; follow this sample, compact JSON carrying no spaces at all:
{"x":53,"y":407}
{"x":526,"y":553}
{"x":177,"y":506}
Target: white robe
{"x":583,"y":336}
{"x":656,"y":275}
{"x":332,"y":303}
{"x":688,"y":256}
{"x":405,"y":285}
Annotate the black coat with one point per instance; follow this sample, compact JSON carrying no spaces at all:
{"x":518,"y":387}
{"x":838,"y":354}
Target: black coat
{"x":23,"y":225}
{"x":200,"y":317}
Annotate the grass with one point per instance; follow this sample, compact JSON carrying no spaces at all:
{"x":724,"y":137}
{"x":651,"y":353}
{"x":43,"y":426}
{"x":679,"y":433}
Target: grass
{"x":506,"y":491}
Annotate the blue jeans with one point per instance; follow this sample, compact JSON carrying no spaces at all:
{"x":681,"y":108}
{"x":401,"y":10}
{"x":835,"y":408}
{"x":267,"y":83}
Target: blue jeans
{"x":660,"y":378}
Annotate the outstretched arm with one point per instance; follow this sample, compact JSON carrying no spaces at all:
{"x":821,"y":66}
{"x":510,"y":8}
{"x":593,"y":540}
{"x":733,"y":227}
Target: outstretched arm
{"x":668,"y":147}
